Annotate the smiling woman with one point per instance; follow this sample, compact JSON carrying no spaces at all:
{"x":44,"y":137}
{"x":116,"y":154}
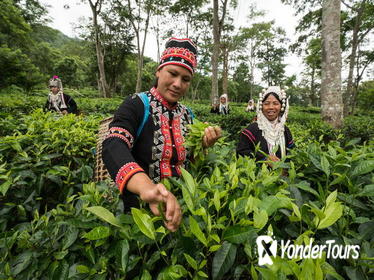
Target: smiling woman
{"x":269,"y":131}
{"x":136,"y":159}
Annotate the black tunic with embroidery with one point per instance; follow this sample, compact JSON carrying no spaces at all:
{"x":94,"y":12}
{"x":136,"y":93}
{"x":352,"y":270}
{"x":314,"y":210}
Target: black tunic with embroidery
{"x":158,"y":150}
{"x":69,"y":101}
{"x":252,"y":135}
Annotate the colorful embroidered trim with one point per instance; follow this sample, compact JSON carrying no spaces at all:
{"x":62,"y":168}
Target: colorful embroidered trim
{"x":249,"y":134}
{"x":178,"y":141}
{"x":290,"y":144}
{"x":168,"y":149}
{"x":125,"y":173}
{"x":122,"y":134}
{"x":180,"y":52}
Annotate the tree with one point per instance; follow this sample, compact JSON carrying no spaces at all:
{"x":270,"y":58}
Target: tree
{"x":17,"y":69}
{"x":67,"y":69}
{"x":313,"y":62}
{"x":96,"y":9}
{"x":139,"y":13}
{"x":254,"y":36}
{"x":357,"y":22}
{"x":32,"y":11}
{"x":331,"y":97}
{"x":271,"y":54}
{"x":365,"y":95}
{"x":217,"y":31}
{"x":361,"y":24}
{"x":117,"y":42}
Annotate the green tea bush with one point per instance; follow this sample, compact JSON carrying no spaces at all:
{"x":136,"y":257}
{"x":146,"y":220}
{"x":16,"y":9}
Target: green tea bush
{"x":46,"y":158}
{"x":57,"y":224}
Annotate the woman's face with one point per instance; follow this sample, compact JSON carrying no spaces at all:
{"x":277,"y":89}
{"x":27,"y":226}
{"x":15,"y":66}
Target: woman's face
{"x":223,"y":100}
{"x":173,"y":82}
{"x":271,"y":107}
{"x":54,"y":89}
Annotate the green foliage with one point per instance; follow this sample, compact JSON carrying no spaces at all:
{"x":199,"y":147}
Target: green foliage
{"x":17,"y":69}
{"x":45,"y":156}
{"x":56,"y":223}
{"x":366,"y":95}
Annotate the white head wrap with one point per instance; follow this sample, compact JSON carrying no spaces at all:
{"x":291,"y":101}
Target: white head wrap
{"x":223,"y":107}
{"x":273,"y":132}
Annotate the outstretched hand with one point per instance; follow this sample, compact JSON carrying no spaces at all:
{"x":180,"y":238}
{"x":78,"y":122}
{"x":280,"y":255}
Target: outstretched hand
{"x":211,"y":135}
{"x":159,"y":194}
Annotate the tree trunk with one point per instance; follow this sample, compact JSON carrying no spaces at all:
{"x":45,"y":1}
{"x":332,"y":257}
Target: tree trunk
{"x":217,"y":28}
{"x":99,"y":52}
{"x":331,"y":97}
{"x":225,"y":74}
{"x":137,"y":33}
{"x":348,"y":98}
{"x":313,"y":95}
{"x":215,"y":54}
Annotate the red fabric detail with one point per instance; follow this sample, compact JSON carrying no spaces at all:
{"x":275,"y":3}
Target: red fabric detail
{"x":125,"y":173}
{"x":178,"y":141}
{"x":165,"y":169}
{"x":122,"y":133}
{"x":180,"y":52}
{"x":249,"y":134}
{"x":121,"y":137}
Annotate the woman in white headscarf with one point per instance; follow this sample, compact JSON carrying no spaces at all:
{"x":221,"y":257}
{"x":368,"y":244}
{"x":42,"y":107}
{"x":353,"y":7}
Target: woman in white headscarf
{"x":224,"y":105}
{"x":57,"y":100}
{"x":269,"y":130}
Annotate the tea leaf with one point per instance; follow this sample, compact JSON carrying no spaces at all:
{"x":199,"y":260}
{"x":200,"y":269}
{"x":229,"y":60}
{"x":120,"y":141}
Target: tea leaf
{"x":82,"y":269}
{"x":21,"y":262}
{"x":216,"y":200}
{"x":329,"y":270}
{"x":304,"y":185}
{"x":144,"y":222}
{"x":363,"y":167}
{"x":202,"y":274}
{"x":238,"y":234}
{"x":187,"y":199}
{"x":325,"y":165}
{"x":260,"y":219}
{"x":195,"y":229}
{"x":223,"y":260}
{"x":97,"y":233}
{"x":105,"y":215}
{"x":122,"y":253}
{"x":62,"y":271}
{"x":367,"y":191}
{"x":146,"y":275}
{"x":5,"y":186}
{"x":70,"y":237}
{"x":190,"y":183}
{"x":332,"y":212}
{"x":191,"y":261}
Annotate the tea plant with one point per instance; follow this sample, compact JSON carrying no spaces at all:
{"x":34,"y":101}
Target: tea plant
{"x":56,"y":223}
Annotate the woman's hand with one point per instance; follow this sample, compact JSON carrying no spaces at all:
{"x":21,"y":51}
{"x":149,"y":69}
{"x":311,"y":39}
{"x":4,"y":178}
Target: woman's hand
{"x":211,"y":135}
{"x":272,"y":158}
{"x":159,"y":194}
{"x":154,"y":194}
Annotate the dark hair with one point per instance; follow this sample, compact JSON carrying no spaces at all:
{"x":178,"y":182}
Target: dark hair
{"x":155,"y":82}
{"x":274,"y":94}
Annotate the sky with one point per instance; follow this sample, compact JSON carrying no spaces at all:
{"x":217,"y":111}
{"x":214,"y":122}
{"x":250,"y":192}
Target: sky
{"x":65,"y":19}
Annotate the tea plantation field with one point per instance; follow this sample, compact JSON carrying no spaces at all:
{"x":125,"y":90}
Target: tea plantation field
{"x":57,"y":223}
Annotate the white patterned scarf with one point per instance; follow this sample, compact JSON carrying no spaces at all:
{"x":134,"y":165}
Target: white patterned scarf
{"x":57,"y":101}
{"x":273,"y":131}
